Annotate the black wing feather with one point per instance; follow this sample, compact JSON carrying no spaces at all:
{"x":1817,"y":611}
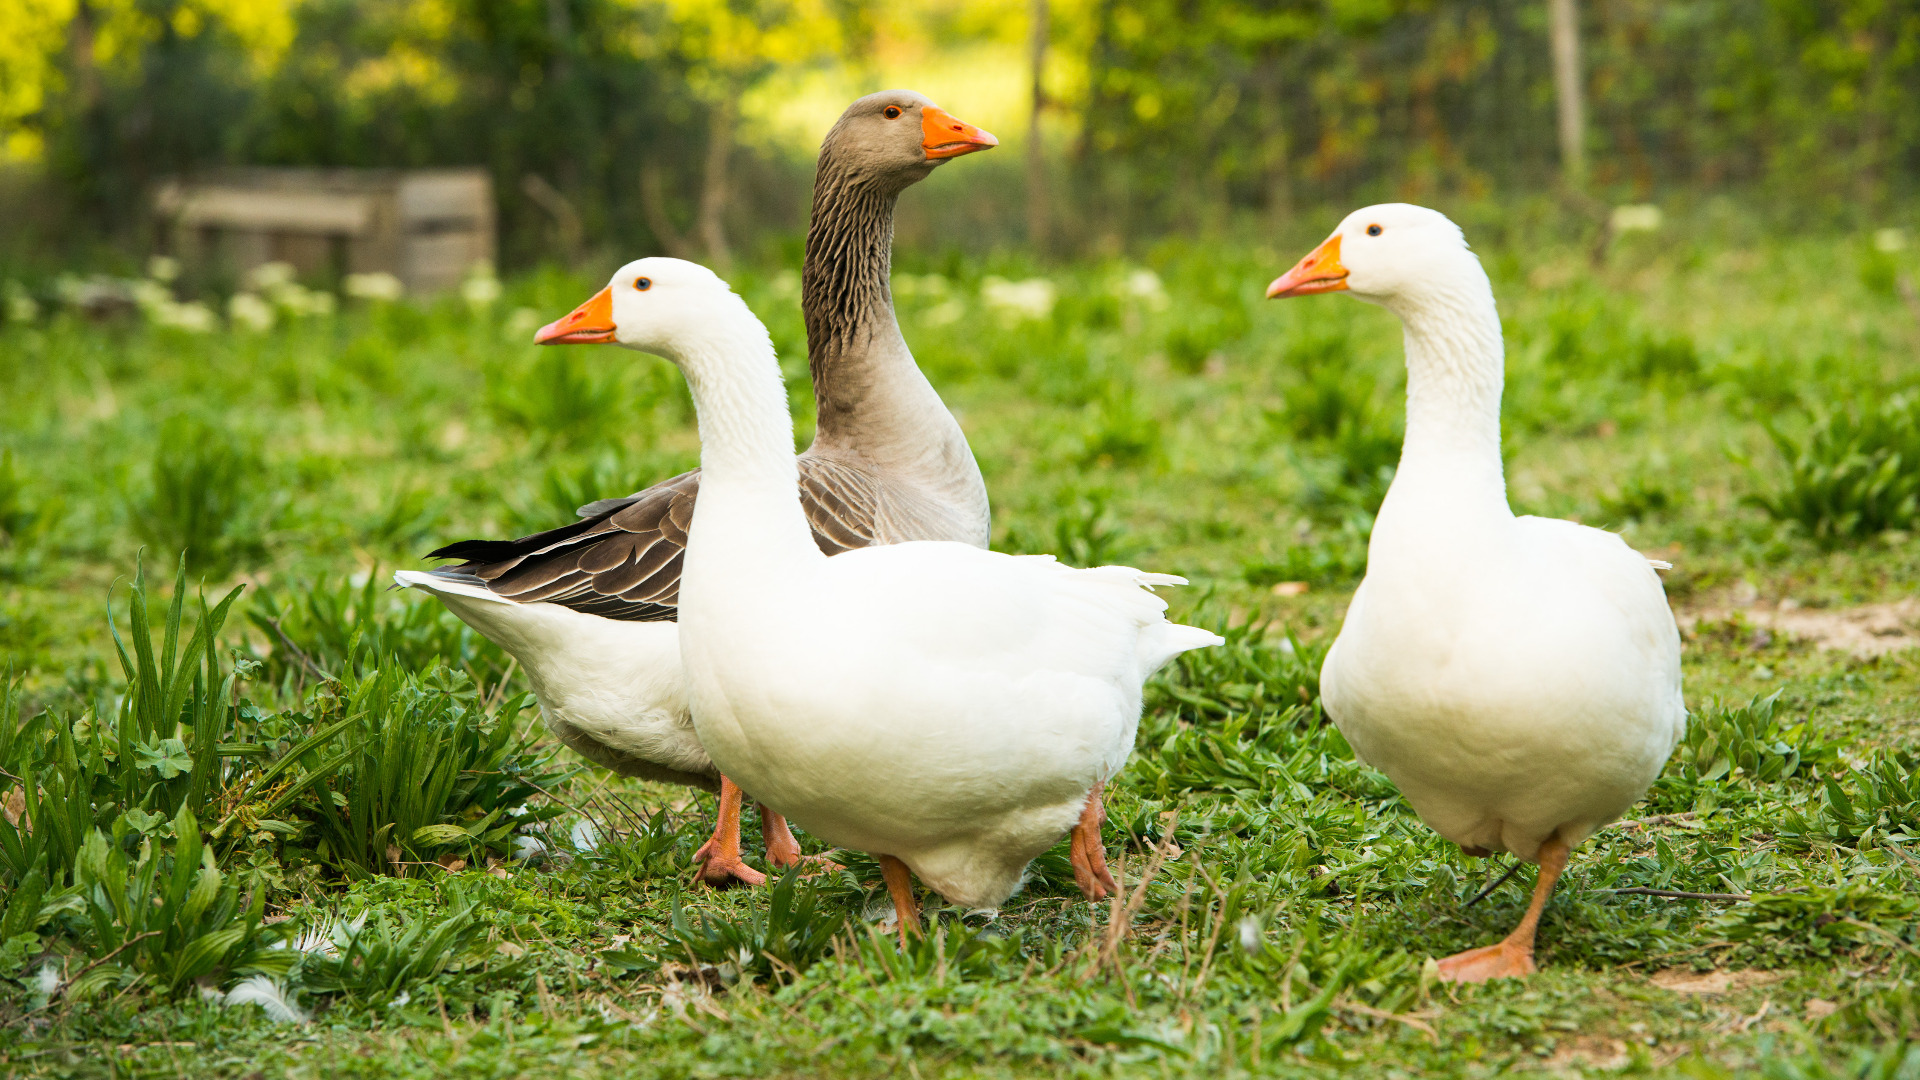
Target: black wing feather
{"x":622,"y":560}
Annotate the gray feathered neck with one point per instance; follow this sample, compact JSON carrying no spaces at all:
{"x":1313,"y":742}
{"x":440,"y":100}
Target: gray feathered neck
{"x":846,"y":298}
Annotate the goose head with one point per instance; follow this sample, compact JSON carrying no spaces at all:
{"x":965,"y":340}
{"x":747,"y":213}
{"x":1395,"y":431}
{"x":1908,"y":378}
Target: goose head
{"x":667,"y":307}
{"x":898,"y":135}
{"x":1395,"y":254}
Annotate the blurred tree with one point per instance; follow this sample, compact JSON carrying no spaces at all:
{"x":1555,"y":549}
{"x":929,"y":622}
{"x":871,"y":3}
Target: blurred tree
{"x":1263,"y":102}
{"x":597,"y":115}
{"x":1563,"y":19}
{"x":564,"y":100}
{"x":725,"y":48}
{"x":1038,"y":225}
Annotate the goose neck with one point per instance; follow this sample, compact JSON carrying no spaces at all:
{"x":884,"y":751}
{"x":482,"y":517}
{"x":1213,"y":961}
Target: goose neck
{"x":874,"y":406}
{"x":1455,"y":368}
{"x":746,"y":434}
{"x":845,"y":294}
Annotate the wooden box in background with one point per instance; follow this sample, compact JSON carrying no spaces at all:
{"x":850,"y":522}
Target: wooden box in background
{"x":427,"y":227}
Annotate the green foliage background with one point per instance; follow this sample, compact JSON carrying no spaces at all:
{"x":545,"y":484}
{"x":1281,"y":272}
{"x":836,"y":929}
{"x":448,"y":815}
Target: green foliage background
{"x":1162,"y":115}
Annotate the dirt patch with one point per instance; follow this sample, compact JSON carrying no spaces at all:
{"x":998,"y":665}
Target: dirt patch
{"x":1866,"y":631}
{"x":1688,"y":981}
{"x":1591,"y":1051}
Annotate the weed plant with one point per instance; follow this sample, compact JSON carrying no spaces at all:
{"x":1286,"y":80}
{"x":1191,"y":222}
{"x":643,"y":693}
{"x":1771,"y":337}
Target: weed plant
{"x":313,"y":627}
{"x":1854,"y":474}
{"x":205,"y":496}
{"x":115,"y":881}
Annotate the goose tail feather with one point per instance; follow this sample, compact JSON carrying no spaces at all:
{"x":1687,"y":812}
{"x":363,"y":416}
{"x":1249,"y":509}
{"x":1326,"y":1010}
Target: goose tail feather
{"x":443,"y":583}
{"x":1169,"y":640}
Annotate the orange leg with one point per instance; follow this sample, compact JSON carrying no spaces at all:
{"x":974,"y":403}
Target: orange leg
{"x":1512,"y":958}
{"x":900,"y":885}
{"x":782,"y":849}
{"x":719,"y":859}
{"x":1089,"y":852}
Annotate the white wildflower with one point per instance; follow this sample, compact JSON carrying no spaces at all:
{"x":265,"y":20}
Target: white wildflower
{"x":400,"y":999}
{"x":1145,"y":287}
{"x":481,"y":291}
{"x":193,"y":317}
{"x":929,"y":285}
{"x":46,"y":981}
{"x":151,"y":297}
{"x":1017,"y":300}
{"x":248,"y":310}
{"x":378,"y":285}
{"x":945,"y":314}
{"x":279,"y":1003}
{"x":481,"y":288}
{"x":297,"y":299}
{"x":521,"y":324}
{"x":271,"y":275}
{"x":1640,"y":217}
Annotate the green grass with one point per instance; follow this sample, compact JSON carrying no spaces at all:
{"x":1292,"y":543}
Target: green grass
{"x":332,"y":762}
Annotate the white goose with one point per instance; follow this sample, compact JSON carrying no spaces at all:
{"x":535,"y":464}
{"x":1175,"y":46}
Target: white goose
{"x":946,"y":708}
{"x":1517,"y":677}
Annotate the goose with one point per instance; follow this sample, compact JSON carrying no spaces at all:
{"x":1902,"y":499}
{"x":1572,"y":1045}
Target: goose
{"x":588,"y":608}
{"x":1518,"y":678}
{"x":949,"y":709}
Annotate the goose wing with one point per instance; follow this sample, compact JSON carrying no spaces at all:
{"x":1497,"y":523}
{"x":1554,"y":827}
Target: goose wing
{"x":622,"y":559}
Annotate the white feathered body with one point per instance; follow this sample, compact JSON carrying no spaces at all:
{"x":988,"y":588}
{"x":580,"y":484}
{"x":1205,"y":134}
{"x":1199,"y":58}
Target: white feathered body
{"x":612,"y":691}
{"x":1517,"y":678}
{"x":948,"y":706}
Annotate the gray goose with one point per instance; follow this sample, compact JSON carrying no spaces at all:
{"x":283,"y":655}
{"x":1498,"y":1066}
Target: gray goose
{"x":588,"y":608}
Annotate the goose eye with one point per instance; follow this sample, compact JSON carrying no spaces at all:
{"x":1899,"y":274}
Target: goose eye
{"x":642,"y":284}
{"x":1373,"y":230}
{"x":891,"y":112}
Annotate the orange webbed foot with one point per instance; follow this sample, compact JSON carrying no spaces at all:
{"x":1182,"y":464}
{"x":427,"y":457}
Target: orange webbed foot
{"x":721,"y":871}
{"x":783,"y":850}
{"x":718,"y":862}
{"x":1512,"y":957}
{"x":1502,"y":960}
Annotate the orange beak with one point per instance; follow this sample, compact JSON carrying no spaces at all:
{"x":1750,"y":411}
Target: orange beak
{"x":590,"y":324}
{"x":944,"y":137}
{"x":1319,"y":272}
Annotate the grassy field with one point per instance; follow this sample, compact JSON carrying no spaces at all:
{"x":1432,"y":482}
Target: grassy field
{"x":340,"y":801}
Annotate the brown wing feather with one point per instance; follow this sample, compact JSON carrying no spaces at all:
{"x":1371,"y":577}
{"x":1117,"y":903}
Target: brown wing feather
{"x":841,"y":504}
{"x":622,"y":560}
